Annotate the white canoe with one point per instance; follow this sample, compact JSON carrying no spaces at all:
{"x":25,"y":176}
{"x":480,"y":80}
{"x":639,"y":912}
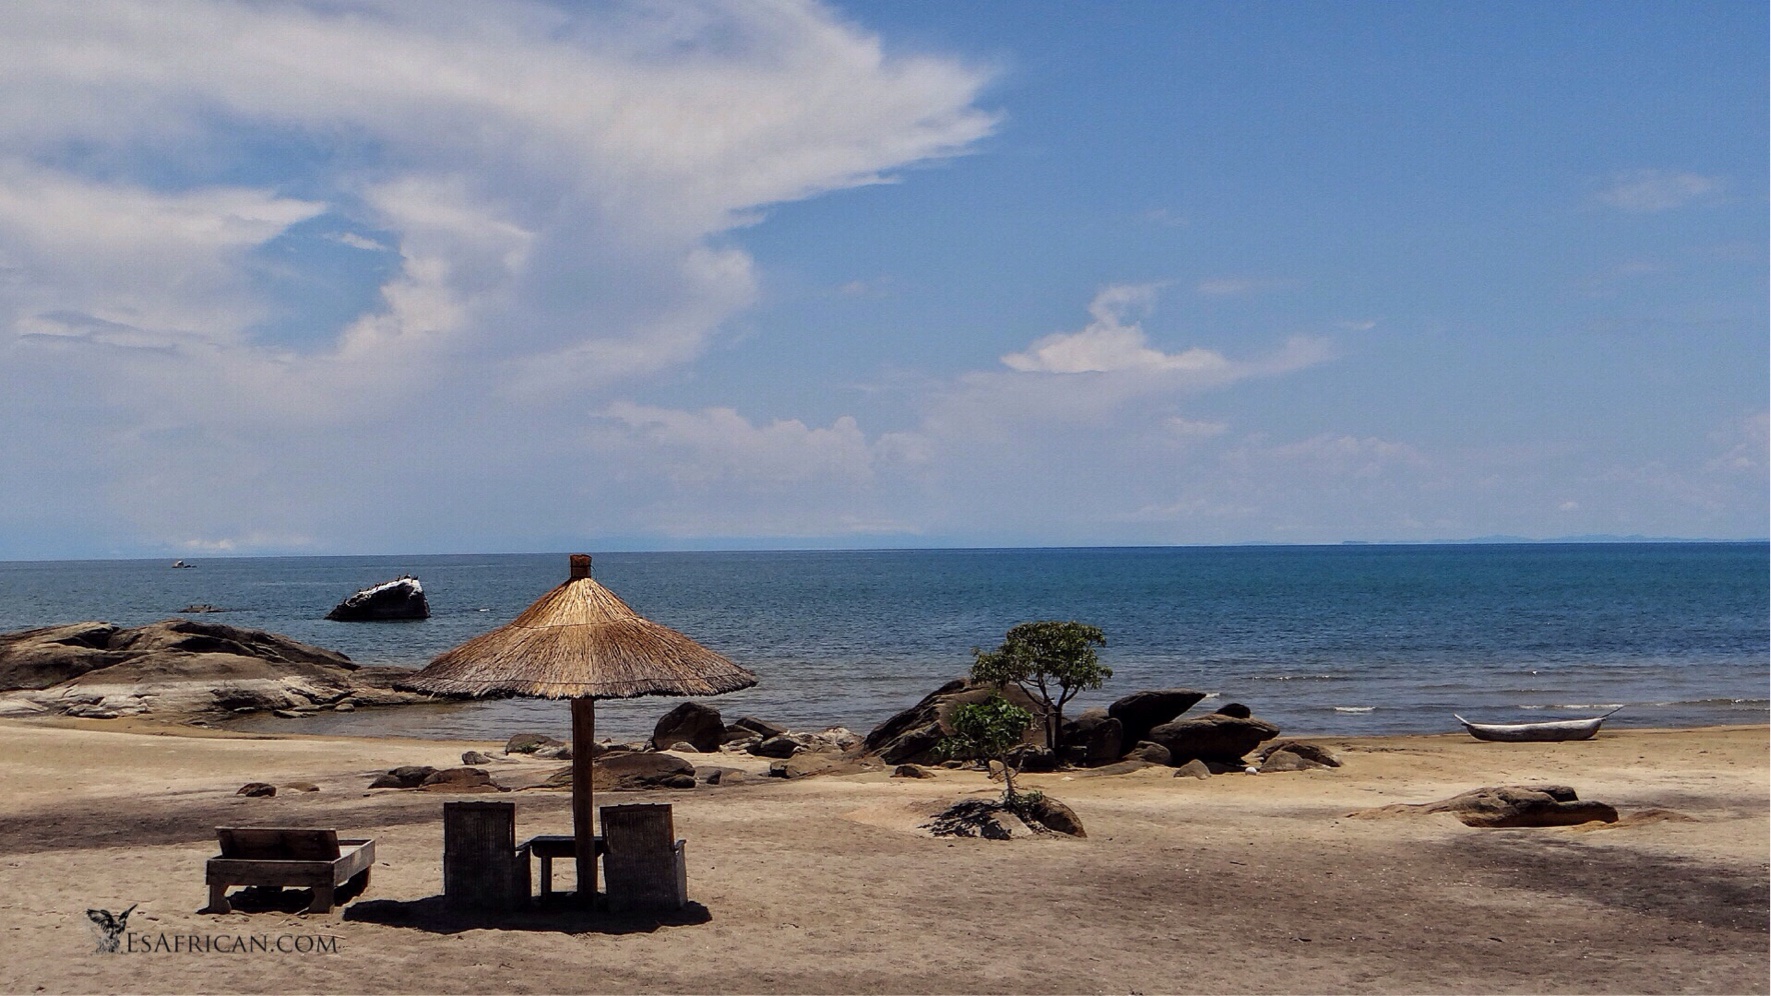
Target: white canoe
{"x":1561,"y":729}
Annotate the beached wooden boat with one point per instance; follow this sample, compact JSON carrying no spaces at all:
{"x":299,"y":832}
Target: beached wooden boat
{"x":1561,"y":729}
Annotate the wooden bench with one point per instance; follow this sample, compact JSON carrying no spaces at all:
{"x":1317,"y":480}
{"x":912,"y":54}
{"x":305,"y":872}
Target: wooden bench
{"x":289,"y":857}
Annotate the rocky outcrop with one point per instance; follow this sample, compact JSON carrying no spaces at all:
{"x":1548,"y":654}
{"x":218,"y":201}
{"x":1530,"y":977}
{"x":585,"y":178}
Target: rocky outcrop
{"x":396,"y":600}
{"x":693,"y":723}
{"x":912,"y":736}
{"x":1214,"y":737}
{"x":1498,"y":806}
{"x":178,"y":668}
{"x":1141,"y":712}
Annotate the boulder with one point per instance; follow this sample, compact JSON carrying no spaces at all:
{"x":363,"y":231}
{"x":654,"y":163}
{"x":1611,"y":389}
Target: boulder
{"x":690,"y":722}
{"x":404,"y":777}
{"x":462,"y":779}
{"x":555,"y":752}
{"x":978,"y":818}
{"x":911,"y":771}
{"x":1034,"y":759}
{"x":257,"y":790}
{"x":1147,"y":751}
{"x":475,"y":757}
{"x":1499,"y":806}
{"x":719,"y":776}
{"x":782,"y":747}
{"x":399,"y":599}
{"x":1193,"y":769}
{"x":912,"y":736}
{"x":1311,"y":752}
{"x":1284,"y":760}
{"x":1052,"y":814}
{"x":1235,"y":709}
{"x":750,"y":726}
{"x":632,"y":771}
{"x":1141,"y":712}
{"x":682,"y":747}
{"x":1092,"y":739}
{"x":529,"y":743}
{"x":1215,"y":737}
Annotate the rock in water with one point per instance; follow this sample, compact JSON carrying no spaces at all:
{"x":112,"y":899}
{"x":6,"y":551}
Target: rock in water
{"x":401,"y":598}
{"x":257,"y":789}
{"x":1214,"y":737}
{"x":693,"y":723}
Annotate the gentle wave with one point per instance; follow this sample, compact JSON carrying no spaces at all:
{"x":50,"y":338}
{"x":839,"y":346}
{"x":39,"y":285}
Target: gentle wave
{"x":1359,"y":709}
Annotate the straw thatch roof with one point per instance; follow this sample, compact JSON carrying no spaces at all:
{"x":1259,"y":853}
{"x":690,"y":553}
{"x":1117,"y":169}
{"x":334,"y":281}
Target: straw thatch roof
{"x":580,"y":640}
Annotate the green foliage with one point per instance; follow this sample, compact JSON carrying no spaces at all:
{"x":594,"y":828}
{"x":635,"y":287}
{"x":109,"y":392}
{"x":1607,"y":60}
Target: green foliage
{"x":1046,"y":657}
{"x":986,"y":730}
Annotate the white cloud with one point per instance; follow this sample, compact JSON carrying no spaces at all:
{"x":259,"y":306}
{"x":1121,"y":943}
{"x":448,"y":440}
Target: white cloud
{"x":1646,"y":191}
{"x":558,"y":184}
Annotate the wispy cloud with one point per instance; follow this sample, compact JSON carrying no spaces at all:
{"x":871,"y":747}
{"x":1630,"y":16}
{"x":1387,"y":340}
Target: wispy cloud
{"x":1646,"y":191}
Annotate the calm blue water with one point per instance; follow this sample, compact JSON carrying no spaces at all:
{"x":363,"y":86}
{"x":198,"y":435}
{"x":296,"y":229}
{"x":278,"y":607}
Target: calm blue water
{"x":1322,"y":640}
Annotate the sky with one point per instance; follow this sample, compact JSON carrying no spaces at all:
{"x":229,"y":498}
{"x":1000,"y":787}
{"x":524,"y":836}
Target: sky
{"x":349,"y":278}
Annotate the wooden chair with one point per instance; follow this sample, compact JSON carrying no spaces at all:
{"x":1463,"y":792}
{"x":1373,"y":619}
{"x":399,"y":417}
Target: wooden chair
{"x":644,"y":865}
{"x":483,"y":868}
{"x":288,"y":857}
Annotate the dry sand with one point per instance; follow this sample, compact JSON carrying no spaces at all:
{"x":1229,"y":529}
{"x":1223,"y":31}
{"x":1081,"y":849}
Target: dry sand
{"x":1233,"y":884}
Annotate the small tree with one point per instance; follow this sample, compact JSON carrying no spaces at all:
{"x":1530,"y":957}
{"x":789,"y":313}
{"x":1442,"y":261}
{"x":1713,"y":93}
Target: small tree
{"x":989,"y":731}
{"x":1050,"y":656}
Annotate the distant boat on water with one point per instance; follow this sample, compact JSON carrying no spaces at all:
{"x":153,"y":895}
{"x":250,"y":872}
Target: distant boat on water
{"x":180,"y":563}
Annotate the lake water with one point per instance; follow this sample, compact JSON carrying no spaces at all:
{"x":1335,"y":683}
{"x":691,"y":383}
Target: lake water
{"x":1322,"y":640}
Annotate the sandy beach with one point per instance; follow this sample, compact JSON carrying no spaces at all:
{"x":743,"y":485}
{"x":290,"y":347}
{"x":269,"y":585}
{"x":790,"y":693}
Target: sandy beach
{"x":1235,"y":883}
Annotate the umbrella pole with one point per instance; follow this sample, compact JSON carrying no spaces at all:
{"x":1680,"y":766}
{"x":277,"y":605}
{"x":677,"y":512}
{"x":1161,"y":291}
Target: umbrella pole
{"x":583,"y":816}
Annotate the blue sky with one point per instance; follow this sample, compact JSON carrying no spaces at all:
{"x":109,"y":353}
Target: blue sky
{"x":292,"y":279}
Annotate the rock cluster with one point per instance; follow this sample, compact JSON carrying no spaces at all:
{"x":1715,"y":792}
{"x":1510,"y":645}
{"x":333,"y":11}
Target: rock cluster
{"x":1143,"y":728}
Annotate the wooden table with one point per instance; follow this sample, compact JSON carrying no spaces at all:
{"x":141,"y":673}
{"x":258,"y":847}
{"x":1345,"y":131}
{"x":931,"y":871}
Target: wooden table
{"x":549,"y":846}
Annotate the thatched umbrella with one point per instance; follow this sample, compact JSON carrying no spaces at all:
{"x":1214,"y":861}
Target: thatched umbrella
{"x":580,"y":642}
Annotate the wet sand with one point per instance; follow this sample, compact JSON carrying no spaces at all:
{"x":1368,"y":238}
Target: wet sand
{"x":1238,"y":883}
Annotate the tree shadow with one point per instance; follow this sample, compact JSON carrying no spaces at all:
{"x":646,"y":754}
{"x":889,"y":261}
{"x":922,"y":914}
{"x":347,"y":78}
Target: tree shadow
{"x":432,"y":916}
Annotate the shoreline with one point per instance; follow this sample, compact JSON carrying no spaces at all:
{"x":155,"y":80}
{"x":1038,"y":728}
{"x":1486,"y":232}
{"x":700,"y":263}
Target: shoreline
{"x":826,"y":884}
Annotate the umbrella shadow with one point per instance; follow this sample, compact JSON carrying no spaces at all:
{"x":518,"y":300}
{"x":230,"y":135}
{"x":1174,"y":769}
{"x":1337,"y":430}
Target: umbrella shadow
{"x":431,"y":915}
